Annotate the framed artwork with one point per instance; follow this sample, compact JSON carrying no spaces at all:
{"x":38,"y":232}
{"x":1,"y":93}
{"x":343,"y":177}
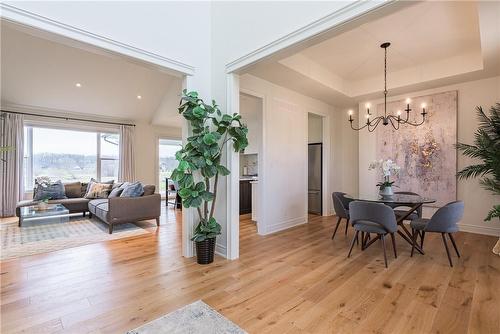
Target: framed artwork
{"x":426,"y":153}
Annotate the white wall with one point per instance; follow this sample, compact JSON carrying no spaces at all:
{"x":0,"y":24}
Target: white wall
{"x":478,"y":202}
{"x":251,"y":112}
{"x":283,"y":178}
{"x":315,"y":129}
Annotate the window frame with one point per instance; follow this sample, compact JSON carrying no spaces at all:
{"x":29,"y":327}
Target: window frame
{"x":30,"y":179}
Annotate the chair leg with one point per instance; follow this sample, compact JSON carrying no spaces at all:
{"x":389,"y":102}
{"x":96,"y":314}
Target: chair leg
{"x":352,"y":243}
{"x":422,"y":240}
{"x":336,"y":227}
{"x":414,"y":240}
{"x":365,"y":240}
{"x":157,"y":221}
{"x":382,"y":239}
{"x":346,"y":225}
{"x":447,"y":250}
{"x":110,"y":227}
{"x":394,"y":246}
{"x":454,"y":244}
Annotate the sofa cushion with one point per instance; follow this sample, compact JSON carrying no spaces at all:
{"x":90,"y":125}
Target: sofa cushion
{"x":116,"y":192}
{"x":92,"y":180}
{"x":100,"y":207}
{"x":54,"y":190}
{"x":133,"y":190}
{"x":98,"y":190}
{"x":149,"y":189}
{"x":73,"y":189}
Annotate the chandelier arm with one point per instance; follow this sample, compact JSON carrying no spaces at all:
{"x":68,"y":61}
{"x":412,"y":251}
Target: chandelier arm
{"x":392,"y":122}
{"x":360,"y":128}
{"x":374,"y":124}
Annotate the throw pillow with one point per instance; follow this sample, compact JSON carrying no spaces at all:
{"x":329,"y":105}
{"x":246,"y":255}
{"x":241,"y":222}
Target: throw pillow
{"x":53,"y":190}
{"x":98,"y":190}
{"x":149,"y":189}
{"x":73,"y":190}
{"x":116,"y":192}
{"x":133,"y":190}
{"x":92,"y":180}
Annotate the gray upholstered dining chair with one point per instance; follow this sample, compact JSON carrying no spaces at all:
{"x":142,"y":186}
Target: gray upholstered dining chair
{"x":341,"y":206}
{"x":444,"y":221}
{"x":378,"y":218}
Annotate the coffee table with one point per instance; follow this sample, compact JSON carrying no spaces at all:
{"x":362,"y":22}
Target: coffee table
{"x":55,"y":213}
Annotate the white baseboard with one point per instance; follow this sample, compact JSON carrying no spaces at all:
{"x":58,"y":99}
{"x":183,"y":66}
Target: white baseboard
{"x":486,"y":230}
{"x":221,"y":250}
{"x":285,"y":225}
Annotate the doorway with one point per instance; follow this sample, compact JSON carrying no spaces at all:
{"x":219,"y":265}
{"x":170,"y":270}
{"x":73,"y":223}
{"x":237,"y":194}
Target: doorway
{"x":166,"y":164}
{"x":315,"y":164}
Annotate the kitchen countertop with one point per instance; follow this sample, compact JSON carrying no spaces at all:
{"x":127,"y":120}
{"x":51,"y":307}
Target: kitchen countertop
{"x":249,"y":178}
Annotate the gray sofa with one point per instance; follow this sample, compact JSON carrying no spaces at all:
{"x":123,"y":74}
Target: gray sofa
{"x":112,"y":211}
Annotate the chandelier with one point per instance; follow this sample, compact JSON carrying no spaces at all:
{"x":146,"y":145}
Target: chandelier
{"x":395,"y":121}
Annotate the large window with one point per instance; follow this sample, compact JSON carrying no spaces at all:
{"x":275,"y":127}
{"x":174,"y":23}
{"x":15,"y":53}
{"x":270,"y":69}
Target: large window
{"x":69,"y":155}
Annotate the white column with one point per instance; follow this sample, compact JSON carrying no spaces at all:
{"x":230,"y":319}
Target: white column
{"x":233,"y":182}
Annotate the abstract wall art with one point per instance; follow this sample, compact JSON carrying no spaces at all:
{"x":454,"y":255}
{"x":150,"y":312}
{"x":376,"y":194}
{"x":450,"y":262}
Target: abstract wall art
{"x":426,"y":153}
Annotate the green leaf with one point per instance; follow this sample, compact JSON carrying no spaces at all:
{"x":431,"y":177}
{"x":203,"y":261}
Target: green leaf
{"x":199,"y":112}
{"x":183,"y":166}
{"x":200,"y":186}
{"x":185,"y":192}
{"x":196,"y":202}
{"x":207,"y":196}
{"x":223,"y":170}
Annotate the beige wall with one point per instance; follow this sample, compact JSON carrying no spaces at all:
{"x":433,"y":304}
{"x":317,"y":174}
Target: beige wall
{"x":146,"y":150}
{"x":478,"y":202}
{"x":315,"y":129}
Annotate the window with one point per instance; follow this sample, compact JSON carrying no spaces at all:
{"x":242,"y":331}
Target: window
{"x":167,"y":163}
{"x":69,"y":155}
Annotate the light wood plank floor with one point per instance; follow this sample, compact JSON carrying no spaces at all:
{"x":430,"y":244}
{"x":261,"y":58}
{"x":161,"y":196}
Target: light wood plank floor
{"x":296,"y":281}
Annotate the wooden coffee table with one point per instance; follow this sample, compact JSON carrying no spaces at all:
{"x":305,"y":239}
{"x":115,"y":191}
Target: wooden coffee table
{"x":55,"y":213}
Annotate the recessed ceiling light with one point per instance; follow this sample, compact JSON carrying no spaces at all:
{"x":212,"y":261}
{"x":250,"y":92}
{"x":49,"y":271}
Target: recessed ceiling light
{"x":139,"y":97}
{"x":78,"y":85}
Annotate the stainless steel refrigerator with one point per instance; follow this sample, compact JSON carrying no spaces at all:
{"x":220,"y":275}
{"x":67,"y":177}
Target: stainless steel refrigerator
{"x":315,"y":182}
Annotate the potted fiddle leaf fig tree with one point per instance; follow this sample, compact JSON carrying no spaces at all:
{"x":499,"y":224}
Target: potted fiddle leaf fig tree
{"x":486,"y":148}
{"x":200,"y":167}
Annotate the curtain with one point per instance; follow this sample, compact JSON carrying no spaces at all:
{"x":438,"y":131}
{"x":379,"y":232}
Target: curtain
{"x":11,"y":164}
{"x":126,"y":169}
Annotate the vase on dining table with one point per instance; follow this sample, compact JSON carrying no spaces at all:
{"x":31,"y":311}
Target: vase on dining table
{"x":386,"y":192}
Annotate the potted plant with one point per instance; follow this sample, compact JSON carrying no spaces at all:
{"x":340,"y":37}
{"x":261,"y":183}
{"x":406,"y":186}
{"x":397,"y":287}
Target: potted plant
{"x":486,"y":148}
{"x":200,"y":167}
{"x":387,"y":168}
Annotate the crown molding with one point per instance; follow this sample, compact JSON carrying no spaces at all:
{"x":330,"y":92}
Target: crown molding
{"x":313,"y":29}
{"x":27,"y":18}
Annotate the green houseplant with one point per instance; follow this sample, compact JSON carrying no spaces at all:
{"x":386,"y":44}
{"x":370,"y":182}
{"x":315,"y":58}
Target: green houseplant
{"x":200,"y":167}
{"x":486,"y":148}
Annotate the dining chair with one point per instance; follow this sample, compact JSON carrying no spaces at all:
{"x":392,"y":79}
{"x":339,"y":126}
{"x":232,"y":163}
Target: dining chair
{"x":444,"y":221}
{"x":341,"y":206}
{"x":369,"y":217}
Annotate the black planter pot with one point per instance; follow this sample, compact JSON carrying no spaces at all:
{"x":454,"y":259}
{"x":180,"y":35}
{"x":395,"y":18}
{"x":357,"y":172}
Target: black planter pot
{"x":205,"y":251}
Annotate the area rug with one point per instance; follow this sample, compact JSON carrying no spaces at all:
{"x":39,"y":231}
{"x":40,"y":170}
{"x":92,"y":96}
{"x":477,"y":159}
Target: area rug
{"x":29,"y":240}
{"x":194,"y":318}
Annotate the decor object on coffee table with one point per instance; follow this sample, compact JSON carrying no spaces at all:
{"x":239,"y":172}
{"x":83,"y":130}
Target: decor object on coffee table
{"x":199,"y":163}
{"x":197,"y":317}
{"x":486,"y":148}
{"x":387,"y":168}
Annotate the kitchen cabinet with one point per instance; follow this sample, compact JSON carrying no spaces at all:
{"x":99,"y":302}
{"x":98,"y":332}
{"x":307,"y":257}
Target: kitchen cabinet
{"x":245,"y":197}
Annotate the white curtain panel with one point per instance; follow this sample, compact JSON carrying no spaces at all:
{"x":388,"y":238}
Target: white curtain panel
{"x":11,"y":164}
{"x":126,"y":169}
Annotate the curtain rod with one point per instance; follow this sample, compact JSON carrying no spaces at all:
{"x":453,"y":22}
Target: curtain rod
{"x":65,"y":118}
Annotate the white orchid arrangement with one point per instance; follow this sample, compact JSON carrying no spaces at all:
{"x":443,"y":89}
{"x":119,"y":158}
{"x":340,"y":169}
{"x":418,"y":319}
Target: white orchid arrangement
{"x":387,"y":168}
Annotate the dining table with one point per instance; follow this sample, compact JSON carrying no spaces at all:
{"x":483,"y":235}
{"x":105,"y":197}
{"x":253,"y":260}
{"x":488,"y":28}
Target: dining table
{"x":411,"y":202}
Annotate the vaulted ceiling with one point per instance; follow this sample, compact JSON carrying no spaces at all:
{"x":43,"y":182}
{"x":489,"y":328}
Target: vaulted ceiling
{"x":41,"y":72}
{"x":432,"y":44}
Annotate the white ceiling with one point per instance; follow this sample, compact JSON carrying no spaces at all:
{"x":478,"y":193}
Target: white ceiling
{"x":432,"y":43}
{"x":41,"y":73}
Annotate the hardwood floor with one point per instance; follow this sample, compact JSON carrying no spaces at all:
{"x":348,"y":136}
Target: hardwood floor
{"x":295,"y":281}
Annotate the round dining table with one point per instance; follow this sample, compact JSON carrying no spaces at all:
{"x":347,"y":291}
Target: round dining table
{"x":411,"y":202}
